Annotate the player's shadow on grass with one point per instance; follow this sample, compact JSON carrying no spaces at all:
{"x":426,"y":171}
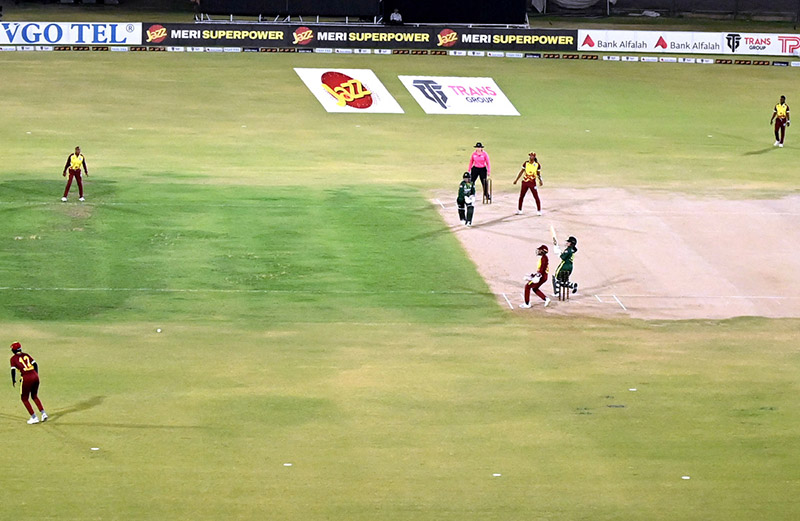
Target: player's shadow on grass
{"x":92,"y":402}
{"x":759,"y":152}
{"x":49,"y":190}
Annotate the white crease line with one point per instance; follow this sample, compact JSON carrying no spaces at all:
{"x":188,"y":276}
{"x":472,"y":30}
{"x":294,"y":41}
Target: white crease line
{"x":716,"y":297}
{"x":234,"y":290}
{"x":620,"y":303}
{"x":509,"y":302}
{"x":598,"y":299}
{"x":440,"y":203}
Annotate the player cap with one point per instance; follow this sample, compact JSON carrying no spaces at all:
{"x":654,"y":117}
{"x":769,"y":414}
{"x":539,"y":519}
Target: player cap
{"x":466,"y":175}
{"x":478,"y":145}
{"x":15,"y":346}
{"x":573,"y":240}
{"x":543,"y":247}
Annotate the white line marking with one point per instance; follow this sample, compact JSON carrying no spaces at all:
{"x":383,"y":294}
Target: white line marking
{"x":509,"y":302}
{"x":620,"y":303}
{"x":440,"y":203}
{"x":236,"y":290}
{"x":718,"y":297}
{"x":598,"y":299}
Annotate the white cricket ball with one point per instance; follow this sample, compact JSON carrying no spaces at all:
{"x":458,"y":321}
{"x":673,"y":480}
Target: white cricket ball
{"x":158,"y":330}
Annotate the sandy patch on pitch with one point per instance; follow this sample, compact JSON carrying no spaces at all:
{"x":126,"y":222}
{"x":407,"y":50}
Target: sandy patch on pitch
{"x":643,"y":254}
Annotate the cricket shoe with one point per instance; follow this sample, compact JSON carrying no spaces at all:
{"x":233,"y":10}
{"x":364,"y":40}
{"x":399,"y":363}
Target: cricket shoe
{"x":518,"y":212}
{"x":463,"y":222}
{"x":546,"y":302}
{"x":574,"y":288}
{"x":63,"y":199}
{"x":469,"y":225}
{"x":776,"y":143}
{"x":780,"y":145}
{"x":44,"y":416}
{"x":539,"y":213}
{"x":33,"y":419}
{"x":81,"y":199}
{"x":525,"y":306}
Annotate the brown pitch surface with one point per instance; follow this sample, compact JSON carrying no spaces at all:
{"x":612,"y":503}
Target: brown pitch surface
{"x":647,"y":255}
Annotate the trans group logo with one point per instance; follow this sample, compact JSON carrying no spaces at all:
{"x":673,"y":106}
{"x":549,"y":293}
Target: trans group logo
{"x":349,"y":91}
{"x":458,"y":95}
{"x":432,"y":91}
{"x":733,"y":40}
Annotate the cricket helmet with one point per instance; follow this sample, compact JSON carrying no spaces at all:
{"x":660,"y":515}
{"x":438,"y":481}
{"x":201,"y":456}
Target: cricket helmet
{"x":543,"y":247}
{"x":572,"y":240}
{"x":16,"y":346}
{"x":466,"y":175}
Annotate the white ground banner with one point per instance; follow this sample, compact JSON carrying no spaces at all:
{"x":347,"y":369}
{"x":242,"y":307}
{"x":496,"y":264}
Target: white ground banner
{"x":349,"y":90}
{"x":457,"y":95}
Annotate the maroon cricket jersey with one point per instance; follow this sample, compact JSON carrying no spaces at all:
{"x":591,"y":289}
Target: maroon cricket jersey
{"x":543,"y":264}
{"x":23,"y":362}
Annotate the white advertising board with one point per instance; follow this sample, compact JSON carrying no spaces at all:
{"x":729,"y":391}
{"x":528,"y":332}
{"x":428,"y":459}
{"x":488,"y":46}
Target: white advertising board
{"x":678,"y":42}
{"x":650,"y":41}
{"x":459,"y":95}
{"x":349,"y":90}
{"x":70,"y":33}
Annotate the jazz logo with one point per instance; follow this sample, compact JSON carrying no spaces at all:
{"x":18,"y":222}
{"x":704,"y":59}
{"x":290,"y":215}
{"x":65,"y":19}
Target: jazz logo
{"x":346,"y":90}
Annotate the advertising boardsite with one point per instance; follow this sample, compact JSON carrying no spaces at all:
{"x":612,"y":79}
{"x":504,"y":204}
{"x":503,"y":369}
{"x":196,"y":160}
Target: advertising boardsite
{"x":778,"y":49}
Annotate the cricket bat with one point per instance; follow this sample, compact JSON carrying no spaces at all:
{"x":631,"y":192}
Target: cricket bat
{"x":553,"y":234}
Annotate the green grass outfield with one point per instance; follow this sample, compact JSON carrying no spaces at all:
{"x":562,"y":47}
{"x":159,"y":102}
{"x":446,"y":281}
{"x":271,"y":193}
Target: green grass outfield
{"x":316,"y":311}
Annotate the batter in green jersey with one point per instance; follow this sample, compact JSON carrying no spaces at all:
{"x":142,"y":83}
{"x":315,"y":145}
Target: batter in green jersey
{"x":466,"y":200}
{"x":564,"y":270}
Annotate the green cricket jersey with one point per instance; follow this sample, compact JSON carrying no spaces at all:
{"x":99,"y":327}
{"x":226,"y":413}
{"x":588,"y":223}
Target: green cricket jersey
{"x":465,"y":189}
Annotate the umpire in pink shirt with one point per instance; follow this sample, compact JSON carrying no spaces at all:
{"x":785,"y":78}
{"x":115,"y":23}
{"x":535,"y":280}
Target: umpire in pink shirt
{"x":480,"y":167}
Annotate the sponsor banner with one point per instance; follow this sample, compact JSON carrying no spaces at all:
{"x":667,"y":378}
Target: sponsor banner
{"x":506,"y":39}
{"x":70,"y":33}
{"x":349,"y":90}
{"x":351,"y":37}
{"x":763,"y":44}
{"x":650,"y":41}
{"x":457,"y":95}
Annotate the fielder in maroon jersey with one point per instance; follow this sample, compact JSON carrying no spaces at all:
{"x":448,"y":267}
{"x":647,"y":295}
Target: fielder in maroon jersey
{"x":535,"y":280}
{"x":29,"y":376}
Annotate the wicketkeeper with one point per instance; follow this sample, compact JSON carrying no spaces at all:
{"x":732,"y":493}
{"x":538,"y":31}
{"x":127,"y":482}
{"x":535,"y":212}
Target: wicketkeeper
{"x":466,"y":200}
{"x":536,"y":280}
